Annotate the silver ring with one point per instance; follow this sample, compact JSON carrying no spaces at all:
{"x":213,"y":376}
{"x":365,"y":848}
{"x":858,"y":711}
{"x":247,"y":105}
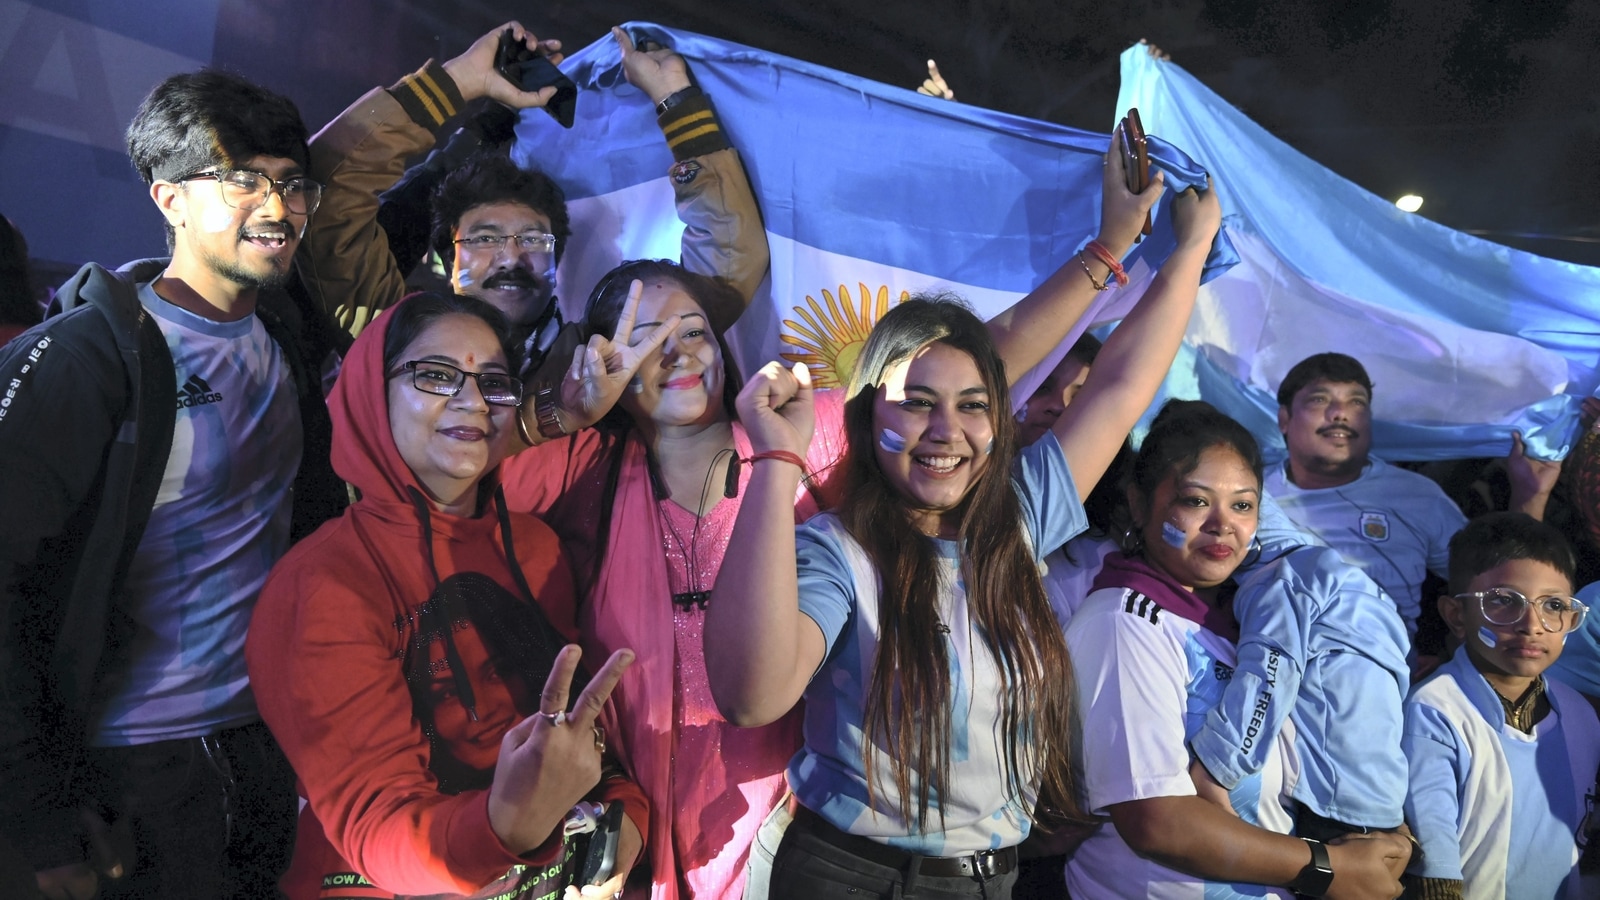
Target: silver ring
{"x":556,"y":720}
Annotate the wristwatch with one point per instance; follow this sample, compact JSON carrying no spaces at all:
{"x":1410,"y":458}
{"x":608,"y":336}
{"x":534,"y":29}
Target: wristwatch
{"x":544,"y":408}
{"x":1315,"y":879}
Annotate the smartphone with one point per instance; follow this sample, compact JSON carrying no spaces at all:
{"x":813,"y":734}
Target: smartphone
{"x":600,"y":863}
{"x":1136,"y":157}
{"x":531,"y":71}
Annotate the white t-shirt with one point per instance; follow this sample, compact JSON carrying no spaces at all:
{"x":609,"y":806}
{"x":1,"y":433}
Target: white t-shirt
{"x":1391,"y":523}
{"x":221,"y":520}
{"x":1146,"y":678}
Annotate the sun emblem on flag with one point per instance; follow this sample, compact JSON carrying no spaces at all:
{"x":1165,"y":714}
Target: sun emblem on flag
{"x":834,"y":331}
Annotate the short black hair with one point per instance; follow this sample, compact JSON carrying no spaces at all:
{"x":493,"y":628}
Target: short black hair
{"x":1335,"y":367}
{"x":200,"y":120}
{"x":1494,"y":539}
{"x":1085,"y":349}
{"x":492,"y":178}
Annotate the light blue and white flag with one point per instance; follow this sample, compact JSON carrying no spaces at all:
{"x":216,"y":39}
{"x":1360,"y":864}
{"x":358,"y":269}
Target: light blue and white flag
{"x":870,"y":192}
{"x":1465,"y":340}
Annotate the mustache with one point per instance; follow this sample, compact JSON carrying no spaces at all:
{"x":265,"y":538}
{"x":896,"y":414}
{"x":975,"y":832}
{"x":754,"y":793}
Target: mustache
{"x":1345,"y":428}
{"x":518,"y":277}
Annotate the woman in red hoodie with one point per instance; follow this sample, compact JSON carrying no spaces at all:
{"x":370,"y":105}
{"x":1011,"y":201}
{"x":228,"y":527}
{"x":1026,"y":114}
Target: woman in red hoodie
{"x":397,"y":653}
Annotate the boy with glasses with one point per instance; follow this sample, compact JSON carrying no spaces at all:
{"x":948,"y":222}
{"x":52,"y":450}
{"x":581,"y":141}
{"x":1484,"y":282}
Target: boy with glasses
{"x":162,"y":441}
{"x":1502,"y":759}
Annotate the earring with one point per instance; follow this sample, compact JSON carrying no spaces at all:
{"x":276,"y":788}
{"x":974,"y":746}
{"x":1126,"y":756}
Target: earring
{"x":1132,"y":540}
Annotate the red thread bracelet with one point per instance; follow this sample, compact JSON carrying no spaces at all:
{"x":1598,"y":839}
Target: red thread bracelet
{"x":779,"y":455}
{"x":1101,"y":253}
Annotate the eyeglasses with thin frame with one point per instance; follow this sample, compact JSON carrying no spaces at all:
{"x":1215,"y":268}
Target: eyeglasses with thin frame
{"x":430,"y":377}
{"x":247,"y":190}
{"x":527,"y":242}
{"x":1504,"y":606}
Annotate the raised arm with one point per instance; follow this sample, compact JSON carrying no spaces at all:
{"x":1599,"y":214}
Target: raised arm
{"x":1139,"y":352}
{"x":723,"y":234}
{"x":1026,"y":332}
{"x":345,"y":256}
{"x":765,"y":648}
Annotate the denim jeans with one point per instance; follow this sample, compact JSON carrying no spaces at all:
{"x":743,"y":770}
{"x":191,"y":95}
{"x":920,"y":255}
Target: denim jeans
{"x":210,"y":817}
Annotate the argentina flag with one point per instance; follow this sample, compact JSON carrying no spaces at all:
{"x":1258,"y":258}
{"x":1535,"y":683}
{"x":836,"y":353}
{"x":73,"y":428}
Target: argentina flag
{"x":1465,"y":340}
{"x":869,"y":193}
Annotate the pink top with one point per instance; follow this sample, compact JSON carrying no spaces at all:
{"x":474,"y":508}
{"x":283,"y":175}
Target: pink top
{"x":710,"y":784}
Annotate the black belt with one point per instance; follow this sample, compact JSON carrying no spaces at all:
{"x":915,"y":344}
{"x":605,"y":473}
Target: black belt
{"x":983,"y":866}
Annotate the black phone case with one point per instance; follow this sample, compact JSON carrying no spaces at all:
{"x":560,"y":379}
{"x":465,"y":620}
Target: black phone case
{"x":531,"y":71}
{"x":600,"y":862}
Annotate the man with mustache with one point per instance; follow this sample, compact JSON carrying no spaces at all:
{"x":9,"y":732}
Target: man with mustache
{"x":1393,"y":523}
{"x":500,"y":229}
{"x":162,"y":441}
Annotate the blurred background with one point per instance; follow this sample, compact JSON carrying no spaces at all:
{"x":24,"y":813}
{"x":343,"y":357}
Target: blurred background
{"x":1486,"y":110}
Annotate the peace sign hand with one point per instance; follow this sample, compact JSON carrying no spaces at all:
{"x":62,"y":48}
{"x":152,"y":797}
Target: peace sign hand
{"x":549,"y":760}
{"x":601,"y":369}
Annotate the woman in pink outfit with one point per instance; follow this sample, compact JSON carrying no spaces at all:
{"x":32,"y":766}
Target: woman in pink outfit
{"x":645,"y":503}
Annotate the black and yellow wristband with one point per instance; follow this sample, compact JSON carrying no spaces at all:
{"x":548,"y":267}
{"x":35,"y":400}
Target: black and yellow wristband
{"x":691,"y":125}
{"x":429,"y":96}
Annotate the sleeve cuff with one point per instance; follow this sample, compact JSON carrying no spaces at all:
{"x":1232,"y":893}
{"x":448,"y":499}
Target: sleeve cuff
{"x":429,"y":96}
{"x":1218,"y":756}
{"x":693,"y":129}
{"x":474,"y":847}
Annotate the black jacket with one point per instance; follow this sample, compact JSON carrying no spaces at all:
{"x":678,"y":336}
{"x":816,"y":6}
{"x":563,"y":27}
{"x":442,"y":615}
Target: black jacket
{"x":86,"y":421}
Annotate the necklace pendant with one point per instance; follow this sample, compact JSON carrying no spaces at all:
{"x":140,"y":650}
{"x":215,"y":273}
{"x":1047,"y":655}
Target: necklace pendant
{"x":691,"y":600}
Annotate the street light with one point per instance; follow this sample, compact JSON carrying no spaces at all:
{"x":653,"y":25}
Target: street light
{"x":1409,"y":203}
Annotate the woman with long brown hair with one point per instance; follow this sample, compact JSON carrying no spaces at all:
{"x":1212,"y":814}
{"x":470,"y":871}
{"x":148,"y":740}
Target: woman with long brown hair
{"x":912,"y":619}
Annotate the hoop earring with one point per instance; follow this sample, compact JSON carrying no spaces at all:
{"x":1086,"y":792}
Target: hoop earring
{"x":1132,"y":540}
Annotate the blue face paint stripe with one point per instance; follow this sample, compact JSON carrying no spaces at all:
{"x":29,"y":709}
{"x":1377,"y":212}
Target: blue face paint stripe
{"x":1172,"y":535}
{"x":891,"y":441}
{"x":1487,"y":636}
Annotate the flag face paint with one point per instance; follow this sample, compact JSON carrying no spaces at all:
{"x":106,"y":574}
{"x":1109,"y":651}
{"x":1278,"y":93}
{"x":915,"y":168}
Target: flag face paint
{"x":891,"y":441}
{"x":1487,"y":636}
{"x":1173,"y":535}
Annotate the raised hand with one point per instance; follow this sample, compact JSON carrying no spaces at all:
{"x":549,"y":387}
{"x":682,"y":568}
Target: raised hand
{"x":934,"y":85}
{"x":1532,"y":479}
{"x":602,"y":368}
{"x":776,"y":409}
{"x":1122,"y":212}
{"x":660,"y":73}
{"x":475,"y":75}
{"x":549,"y":760}
{"x":1196,"y":216}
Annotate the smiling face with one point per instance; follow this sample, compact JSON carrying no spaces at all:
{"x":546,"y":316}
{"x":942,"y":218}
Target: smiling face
{"x":215,"y":243}
{"x":519,"y":283}
{"x":1509,"y":656}
{"x":449,"y":443}
{"x":679,"y":384}
{"x":1198,"y":525}
{"x":1051,"y":399}
{"x":1328,"y":428}
{"x":500,"y":702}
{"x":931,"y":420}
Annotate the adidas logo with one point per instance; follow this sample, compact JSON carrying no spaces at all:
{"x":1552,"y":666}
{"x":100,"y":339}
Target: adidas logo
{"x":195,"y":392}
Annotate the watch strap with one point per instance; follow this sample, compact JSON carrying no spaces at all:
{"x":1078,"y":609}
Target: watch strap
{"x":1315,"y":879}
{"x":548,"y":415}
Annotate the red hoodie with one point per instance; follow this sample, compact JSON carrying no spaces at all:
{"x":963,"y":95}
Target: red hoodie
{"x":325,"y":649}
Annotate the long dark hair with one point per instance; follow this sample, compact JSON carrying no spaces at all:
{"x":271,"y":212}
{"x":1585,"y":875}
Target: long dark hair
{"x":908,"y":701}
{"x":19,"y":305}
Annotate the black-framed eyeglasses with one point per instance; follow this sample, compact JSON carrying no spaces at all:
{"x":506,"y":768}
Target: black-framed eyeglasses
{"x":1504,"y":606}
{"x":527,"y":242}
{"x":430,"y":377}
{"x":247,"y":190}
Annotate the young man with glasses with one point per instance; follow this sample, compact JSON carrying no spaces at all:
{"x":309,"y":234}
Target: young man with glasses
{"x":501,"y":229}
{"x":162,"y":441}
{"x":1503,"y":760}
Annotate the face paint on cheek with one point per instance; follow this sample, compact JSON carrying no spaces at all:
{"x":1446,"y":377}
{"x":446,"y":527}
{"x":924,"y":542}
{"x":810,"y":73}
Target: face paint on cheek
{"x":1487,"y":636}
{"x":217,"y":219}
{"x":989,"y":449}
{"x":891,"y":442}
{"x":1174,"y":536}
{"x":464,"y":279}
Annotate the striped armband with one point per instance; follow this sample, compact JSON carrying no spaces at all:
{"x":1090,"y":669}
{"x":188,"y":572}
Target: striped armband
{"x":691,"y":125}
{"x":429,"y":96}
